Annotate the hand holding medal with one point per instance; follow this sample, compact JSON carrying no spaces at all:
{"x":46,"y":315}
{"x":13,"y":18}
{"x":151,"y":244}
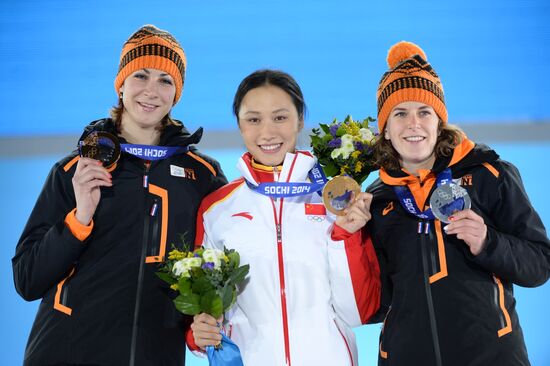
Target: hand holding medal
{"x":344,"y":150}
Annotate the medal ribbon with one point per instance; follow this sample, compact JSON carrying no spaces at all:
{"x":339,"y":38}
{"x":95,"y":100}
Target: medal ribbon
{"x":227,"y":355}
{"x":292,"y":189}
{"x":151,"y":152}
{"x":409,"y":204}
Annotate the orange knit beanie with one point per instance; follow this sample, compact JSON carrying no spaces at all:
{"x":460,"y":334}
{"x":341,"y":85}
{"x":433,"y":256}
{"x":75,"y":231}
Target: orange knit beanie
{"x":150,"y":47}
{"x":410,"y":78}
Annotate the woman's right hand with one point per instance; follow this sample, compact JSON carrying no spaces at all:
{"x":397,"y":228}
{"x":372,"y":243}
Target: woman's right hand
{"x":206,"y":330}
{"x":89,"y":176}
{"x":357,"y":214}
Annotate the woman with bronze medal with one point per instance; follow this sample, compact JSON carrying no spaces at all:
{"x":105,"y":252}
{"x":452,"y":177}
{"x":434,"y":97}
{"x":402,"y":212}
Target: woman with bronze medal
{"x":106,"y":218}
{"x":453,"y":229}
{"x":312,"y":276}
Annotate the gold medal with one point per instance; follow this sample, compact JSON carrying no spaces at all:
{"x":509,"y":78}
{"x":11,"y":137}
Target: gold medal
{"x":101,"y":146}
{"x":337,"y":193}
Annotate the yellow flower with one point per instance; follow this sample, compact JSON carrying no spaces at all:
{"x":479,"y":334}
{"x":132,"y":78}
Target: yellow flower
{"x":344,"y":169}
{"x":355,"y":154}
{"x":174,"y":287}
{"x":351,"y":128}
{"x":226,"y":259}
{"x":176,"y":255}
{"x":358,"y":167}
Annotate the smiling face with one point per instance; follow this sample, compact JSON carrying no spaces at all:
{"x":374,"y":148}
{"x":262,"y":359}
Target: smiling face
{"x":269,"y":124}
{"x":412,"y":128}
{"x":148,"y":96}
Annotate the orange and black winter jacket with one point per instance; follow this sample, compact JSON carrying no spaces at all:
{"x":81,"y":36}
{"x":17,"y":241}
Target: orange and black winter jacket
{"x":102,"y":304}
{"x":441,"y":304}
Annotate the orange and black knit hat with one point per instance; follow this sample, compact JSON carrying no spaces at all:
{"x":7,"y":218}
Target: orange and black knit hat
{"x":409,"y":79}
{"x":150,"y":47}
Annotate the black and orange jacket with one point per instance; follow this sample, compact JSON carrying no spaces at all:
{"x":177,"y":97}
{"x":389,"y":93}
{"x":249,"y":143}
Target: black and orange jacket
{"x":102,"y":303}
{"x":440,"y":304}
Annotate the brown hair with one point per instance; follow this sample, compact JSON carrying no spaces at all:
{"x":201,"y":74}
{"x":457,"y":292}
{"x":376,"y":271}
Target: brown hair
{"x":388,"y":158}
{"x":117,"y":111}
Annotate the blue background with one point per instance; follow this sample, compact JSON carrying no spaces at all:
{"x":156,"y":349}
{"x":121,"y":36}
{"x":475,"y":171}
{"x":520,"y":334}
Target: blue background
{"x":59,"y":58}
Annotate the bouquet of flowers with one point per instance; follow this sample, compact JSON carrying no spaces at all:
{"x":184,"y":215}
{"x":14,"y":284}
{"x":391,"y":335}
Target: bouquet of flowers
{"x":345,"y":148}
{"x":206,"y":279}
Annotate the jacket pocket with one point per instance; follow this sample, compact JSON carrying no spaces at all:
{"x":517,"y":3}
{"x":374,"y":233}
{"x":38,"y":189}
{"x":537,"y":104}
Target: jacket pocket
{"x":382,"y":353}
{"x":61,"y":298}
{"x":158,"y":215}
{"x":500,"y":308}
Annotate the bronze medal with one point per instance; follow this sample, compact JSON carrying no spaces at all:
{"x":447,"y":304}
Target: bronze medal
{"x":448,"y":199}
{"x":337,"y":193}
{"x":100,"y":146}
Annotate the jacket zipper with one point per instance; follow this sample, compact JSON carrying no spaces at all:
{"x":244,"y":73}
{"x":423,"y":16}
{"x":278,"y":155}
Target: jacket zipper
{"x":279,"y":234}
{"x":278,"y":226}
{"x":141,"y":269}
{"x":153,"y":213}
{"x":423,"y":230}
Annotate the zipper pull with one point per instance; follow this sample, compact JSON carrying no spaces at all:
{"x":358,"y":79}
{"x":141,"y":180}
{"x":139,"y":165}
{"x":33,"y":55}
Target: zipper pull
{"x":153,"y":211}
{"x":146,"y":174}
{"x":279,"y":233}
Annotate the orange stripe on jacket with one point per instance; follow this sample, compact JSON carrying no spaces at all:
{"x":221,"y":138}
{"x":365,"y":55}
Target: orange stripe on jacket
{"x":72,"y":162}
{"x":204,"y":162}
{"x":441,"y":251}
{"x":163,"y":194}
{"x":492,"y":169}
{"x":57,"y":305}
{"x":508,"y":327}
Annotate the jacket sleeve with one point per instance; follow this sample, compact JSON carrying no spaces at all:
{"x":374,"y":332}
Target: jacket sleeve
{"x":517,"y":247}
{"x":47,"y":249}
{"x":354,"y":275}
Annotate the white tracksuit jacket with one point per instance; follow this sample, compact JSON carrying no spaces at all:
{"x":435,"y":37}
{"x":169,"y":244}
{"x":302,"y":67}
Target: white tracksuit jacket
{"x":304,"y":291}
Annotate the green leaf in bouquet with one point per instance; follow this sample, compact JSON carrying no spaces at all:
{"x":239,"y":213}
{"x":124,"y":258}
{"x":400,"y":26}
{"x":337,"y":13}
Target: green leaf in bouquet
{"x":202,"y":285}
{"x":234,"y":259}
{"x":348,"y":119}
{"x":184,"y":286}
{"x":341,"y":131}
{"x":325,"y":128}
{"x":188,"y":304}
{"x":238,"y":275}
{"x":211,"y":303}
{"x":226,"y":294}
{"x":166,"y":277}
{"x":326,"y":139}
{"x":315,"y":141}
{"x":331,"y":170}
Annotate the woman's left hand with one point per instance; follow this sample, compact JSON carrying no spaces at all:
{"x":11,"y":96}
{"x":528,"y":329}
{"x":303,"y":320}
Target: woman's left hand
{"x":357,"y":214}
{"x":469,"y":227}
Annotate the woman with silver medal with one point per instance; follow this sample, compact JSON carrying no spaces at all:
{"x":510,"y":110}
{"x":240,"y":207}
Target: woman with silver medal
{"x":106,"y":218}
{"x":453,"y":229}
{"x":313,"y":276}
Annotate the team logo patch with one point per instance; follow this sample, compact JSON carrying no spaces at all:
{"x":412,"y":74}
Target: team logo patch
{"x":246,"y":215}
{"x":177,"y":171}
{"x":388,"y":208}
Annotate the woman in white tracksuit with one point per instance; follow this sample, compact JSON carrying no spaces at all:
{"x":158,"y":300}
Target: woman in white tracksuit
{"x":312,"y":276}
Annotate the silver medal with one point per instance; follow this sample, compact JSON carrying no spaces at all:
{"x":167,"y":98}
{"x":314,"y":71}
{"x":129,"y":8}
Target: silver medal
{"x":448,"y":199}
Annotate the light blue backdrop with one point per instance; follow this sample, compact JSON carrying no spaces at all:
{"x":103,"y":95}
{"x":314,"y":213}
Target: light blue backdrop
{"x":59,"y":58}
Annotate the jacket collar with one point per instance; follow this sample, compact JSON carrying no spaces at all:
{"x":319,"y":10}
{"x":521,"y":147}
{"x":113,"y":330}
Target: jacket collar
{"x":295,"y":168}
